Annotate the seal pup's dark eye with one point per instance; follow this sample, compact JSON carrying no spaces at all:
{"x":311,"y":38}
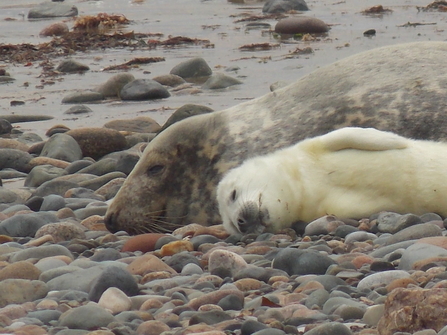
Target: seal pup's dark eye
{"x":155,"y":169}
{"x":233,"y":195}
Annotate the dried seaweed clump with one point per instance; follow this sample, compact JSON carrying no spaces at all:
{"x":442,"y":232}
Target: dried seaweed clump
{"x":101,"y":20}
{"x":374,"y":10}
{"x":440,"y":6}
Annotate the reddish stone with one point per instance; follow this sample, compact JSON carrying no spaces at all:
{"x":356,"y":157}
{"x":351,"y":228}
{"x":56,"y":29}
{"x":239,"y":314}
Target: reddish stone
{"x":401,"y":282}
{"x":152,"y":327}
{"x":213,"y":297}
{"x":48,"y":161}
{"x":143,"y":242}
{"x":148,"y":263}
{"x":98,"y":142}
{"x":55,"y":29}
{"x":248,"y":284}
{"x":439,"y":241}
{"x":411,"y":310}
{"x":359,"y":261}
{"x":423,"y":262}
{"x":176,"y":247}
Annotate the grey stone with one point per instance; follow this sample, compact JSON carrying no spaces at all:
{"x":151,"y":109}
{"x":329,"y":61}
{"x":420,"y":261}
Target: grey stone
{"x":86,"y":317}
{"x":184,"y":112}
{"x":82,"y":97}
{"x":209,"y":317}
{"x":418,"y":252}
{"x":45,"y":315}
{"x":113,"y":86}
{"x":333,"y":303}
{"x":317,"y":298}
{"x":281,"y":6}
{"x":78,"y":165}
{"x":219,"y":81}
{"x":95,"y":208}
{"x":49,"y":274}
{"x":43,"y":173}
{"x":79,"y":280}
{"x":13,"y":208}
{"x":52,"y":9}
{"x":171,"y":80}
{"x":63,"y":147}
{"x":78,"y":109}
{"x":7,"y":196}
{"x":18,"y":291}
{"x":70,"y":65}
{"x":381,"y":279}
{"x":389,"y":222}
{"x":52,"y":202}
{"x":22,"y":225}
{"x":108,"y":254}
{"x":97,"y":182}
{"x":178,"y":261}
{"x":113,"y":276}
{"x":5,"y":126}
{"x":251,"y":326}
{"x":415,"y":232}
{"x":301,"y":25}
{"x":329,"y":282}
{"x":330,"y":328}
{"x":140,"y":124}
{"x":144,"y":89}
{"x":373,"y":314}
{"x":383,"y":251}
{"x":56,"y":186}
{"x":192,"y":68}
{"x":15,"y":159}
{"x":270,"y":331}
{"x":301,"y":262}
{"x":41,"y":252}
{"x":101,"y":167}
{"x":359,"y":236}
{"x":11,"y":174}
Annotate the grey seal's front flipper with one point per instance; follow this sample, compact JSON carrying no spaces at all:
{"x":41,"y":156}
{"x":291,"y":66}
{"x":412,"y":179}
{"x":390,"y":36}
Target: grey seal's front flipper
{"x":368,"y":139}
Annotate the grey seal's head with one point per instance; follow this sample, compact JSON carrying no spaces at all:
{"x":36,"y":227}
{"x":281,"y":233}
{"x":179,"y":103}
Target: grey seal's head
{"x":174,"y":180}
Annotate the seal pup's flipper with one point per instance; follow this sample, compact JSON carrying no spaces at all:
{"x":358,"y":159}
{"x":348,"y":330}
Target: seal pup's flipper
{"x":369,"y":139}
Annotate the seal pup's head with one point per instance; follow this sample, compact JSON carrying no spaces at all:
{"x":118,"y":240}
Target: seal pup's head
{"x":256,"y":197}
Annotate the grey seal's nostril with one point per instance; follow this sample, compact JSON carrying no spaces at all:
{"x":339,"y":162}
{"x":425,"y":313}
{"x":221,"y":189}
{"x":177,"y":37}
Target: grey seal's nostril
{"x":111,"y":222}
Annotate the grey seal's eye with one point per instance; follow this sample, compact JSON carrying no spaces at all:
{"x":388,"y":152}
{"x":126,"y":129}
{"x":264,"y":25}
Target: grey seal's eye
{"x":233,"y":195}
{"x":154,"y":170}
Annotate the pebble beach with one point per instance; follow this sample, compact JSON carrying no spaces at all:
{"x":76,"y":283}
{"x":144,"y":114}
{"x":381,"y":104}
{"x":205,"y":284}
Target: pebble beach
{"x":73,"y":127}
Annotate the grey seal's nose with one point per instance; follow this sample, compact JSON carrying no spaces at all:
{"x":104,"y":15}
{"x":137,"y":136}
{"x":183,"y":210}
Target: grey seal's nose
{"x":248,"y":217}
{"x":111,"y":222}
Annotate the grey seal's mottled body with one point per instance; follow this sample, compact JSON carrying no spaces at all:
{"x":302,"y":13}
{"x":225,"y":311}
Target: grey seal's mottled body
{"x":397,"y":88}
{"x":350,"y":173}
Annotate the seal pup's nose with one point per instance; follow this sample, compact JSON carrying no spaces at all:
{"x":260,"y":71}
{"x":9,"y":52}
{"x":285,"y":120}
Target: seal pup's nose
{"x":248,"y":217}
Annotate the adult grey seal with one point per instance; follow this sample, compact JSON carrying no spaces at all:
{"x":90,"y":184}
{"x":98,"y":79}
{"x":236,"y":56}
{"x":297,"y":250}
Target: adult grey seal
{"x":398,"y":88}
{"x":350,"y":173}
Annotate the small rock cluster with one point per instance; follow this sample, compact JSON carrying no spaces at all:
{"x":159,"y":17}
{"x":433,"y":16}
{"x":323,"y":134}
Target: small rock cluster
{"x":126,"y":87}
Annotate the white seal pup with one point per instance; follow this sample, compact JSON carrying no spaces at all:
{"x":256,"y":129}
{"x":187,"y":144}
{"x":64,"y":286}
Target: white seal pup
{"x":350,"y":173}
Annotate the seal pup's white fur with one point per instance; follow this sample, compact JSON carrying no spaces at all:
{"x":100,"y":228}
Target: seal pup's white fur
{"x":350,"y":173}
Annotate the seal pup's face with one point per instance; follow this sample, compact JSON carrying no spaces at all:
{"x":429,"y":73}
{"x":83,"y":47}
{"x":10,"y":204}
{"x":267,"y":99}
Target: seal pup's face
{"x":253,"y":199}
